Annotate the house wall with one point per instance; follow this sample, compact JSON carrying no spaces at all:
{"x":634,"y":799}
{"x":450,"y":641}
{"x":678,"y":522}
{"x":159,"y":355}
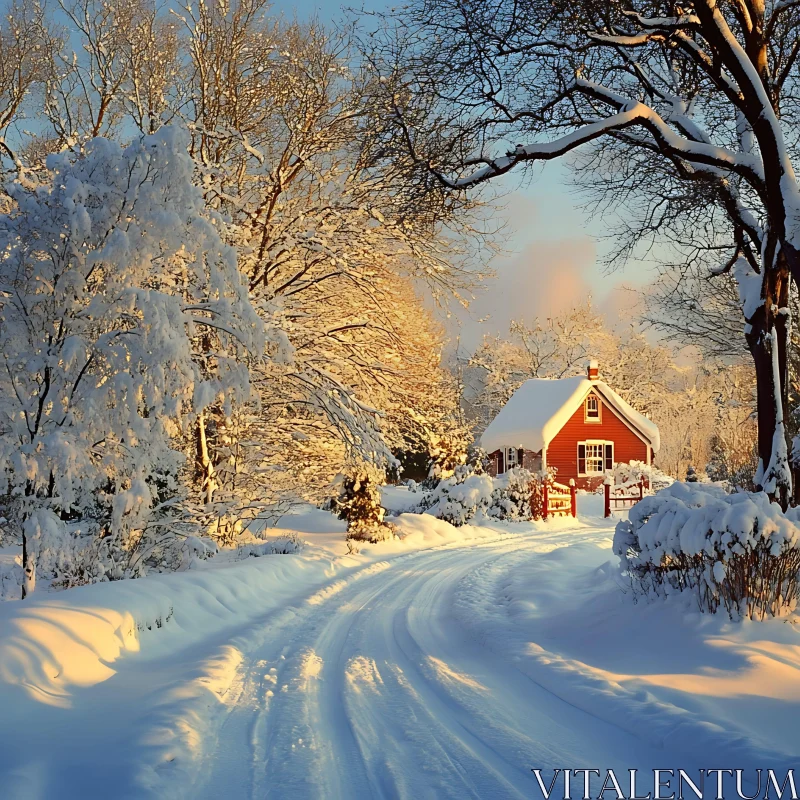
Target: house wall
{"x":562,"y":452}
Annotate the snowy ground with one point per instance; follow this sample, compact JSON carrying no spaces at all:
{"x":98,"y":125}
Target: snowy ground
{"x":445,"y":665}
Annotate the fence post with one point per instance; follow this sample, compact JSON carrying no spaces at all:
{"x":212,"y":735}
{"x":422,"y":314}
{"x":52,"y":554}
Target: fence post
{"x":545,"y":500}
{"x":607,"y":494}
{"x":573,"y":500}
{"x":641,"y":489}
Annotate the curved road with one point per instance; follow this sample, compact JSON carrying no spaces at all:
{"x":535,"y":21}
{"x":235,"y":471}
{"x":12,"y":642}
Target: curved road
{"x":383,"y":688}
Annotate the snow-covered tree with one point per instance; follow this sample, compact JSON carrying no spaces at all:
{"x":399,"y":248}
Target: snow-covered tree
{"x":122,"y":316}
{"x":560,"y":346}
{"x":359,"y":503}
{"x":554,"y":347}
{"x":682,"y":114}
{"x":332,"y":255}
{"x":325,"y":242}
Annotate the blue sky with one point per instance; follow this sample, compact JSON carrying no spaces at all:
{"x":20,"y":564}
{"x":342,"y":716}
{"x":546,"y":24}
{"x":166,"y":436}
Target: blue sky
{"x":551,"y":259}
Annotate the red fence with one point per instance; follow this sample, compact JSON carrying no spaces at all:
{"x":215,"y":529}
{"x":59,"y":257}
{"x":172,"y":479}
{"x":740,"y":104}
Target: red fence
{"x":559,"y":500}
{"x":623,"y":497}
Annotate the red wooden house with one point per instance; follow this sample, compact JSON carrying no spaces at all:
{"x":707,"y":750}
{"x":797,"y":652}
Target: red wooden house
{"x":578,"y":425}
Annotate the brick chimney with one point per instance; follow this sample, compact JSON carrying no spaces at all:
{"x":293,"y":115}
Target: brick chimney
{"x":593,"y":371}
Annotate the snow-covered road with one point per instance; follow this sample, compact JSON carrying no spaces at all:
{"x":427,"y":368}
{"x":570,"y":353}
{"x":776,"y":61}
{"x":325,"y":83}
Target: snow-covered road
{"x":380,"y":690}
{"x":447,"y":672}
{"x":403,"y":683}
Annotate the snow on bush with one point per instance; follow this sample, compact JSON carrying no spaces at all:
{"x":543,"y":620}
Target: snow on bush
{"x":459,"y":498}
{"x":511,"y":495}
{"x":738,"y":551}
{"x":468,"y":495}
{"x":196,"y":550}
{"x":627,"y":474}
{"x":287,"y":544}
{"x":11,"y":580}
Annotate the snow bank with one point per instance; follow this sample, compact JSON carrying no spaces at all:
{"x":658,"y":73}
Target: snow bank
{"x":52,"y":642}
{"x":699,"y":688}
{"x":399,"y":499}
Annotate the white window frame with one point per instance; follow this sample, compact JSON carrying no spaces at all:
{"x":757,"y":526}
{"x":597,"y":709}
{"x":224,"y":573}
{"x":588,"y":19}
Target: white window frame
{"x":511,"y":462}
{"x":586,"y":417}
{"x":601,"y":443}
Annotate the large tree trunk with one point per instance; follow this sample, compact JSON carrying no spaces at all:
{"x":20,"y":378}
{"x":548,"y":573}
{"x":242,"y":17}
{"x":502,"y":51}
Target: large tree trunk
{"x":769,"y":332}
{"x":28,"y":567}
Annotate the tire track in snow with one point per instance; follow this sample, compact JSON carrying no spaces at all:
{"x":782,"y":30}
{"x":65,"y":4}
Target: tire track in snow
{"x":371,"y":704}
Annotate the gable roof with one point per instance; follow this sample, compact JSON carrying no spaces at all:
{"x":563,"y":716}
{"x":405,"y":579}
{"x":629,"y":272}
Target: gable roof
{"x":540,"y":408}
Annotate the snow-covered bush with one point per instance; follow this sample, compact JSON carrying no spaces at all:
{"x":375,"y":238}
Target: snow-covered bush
{"x":468,"y":495}
{"x":286,"y":544}
{"x":627,"y":474}
{"x":478,"y":459}
{"x":735,"y":551}
{"x":197,"y":549}
{"x":461,"y":497}
{"x":359,"y":503}
{"x":511,"y":496}
{"x":123,"y":316}
{"x":11,"y":580}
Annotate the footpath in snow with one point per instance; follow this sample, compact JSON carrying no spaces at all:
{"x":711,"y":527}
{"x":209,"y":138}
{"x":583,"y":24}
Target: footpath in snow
{"x":447,"y":664}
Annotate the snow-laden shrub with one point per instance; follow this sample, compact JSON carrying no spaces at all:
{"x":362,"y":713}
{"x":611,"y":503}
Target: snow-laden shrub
{"x":74,"y":556}
{"x":511,"y":496}
{"x":197,"y":549}
{"x":468,"y":495}
{"x":630,"y":473}
{"x":461,"y":497}
{"x":286,"y":544}
{"x":11,"y":579}
{"x":735,"y":551}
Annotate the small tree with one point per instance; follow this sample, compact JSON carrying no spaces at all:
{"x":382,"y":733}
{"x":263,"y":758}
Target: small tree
{"x":359,"y":503}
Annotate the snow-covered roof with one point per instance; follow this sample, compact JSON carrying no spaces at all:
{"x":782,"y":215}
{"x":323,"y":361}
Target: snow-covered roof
{"x":540,"y":408}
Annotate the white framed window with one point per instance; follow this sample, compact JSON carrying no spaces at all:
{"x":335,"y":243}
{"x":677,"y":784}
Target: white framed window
{"x":595,"y":457}
{"x":592,"y":408}
{"x":511,"y":458}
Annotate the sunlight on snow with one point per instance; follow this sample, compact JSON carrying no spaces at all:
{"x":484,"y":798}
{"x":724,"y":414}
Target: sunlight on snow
{"x":446,"y":672}
{"x":362,"y":673}
{"x":52,"y":648}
